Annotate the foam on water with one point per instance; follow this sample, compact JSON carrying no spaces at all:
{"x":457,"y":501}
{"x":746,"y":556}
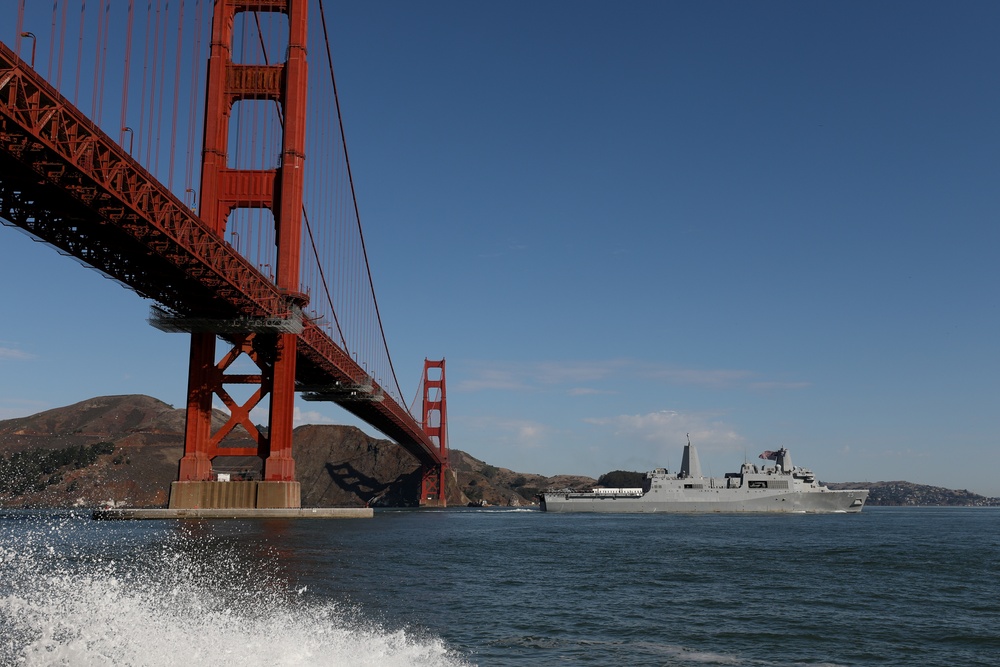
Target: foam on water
{"x":178,"y":599}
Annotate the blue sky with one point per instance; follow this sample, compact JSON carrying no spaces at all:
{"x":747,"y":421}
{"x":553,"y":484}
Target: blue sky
{"x":764,"y":224}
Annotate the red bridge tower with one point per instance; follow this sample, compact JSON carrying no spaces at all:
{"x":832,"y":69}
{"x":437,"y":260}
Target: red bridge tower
{"x":435,"y":425}
{"x":271,"y":345}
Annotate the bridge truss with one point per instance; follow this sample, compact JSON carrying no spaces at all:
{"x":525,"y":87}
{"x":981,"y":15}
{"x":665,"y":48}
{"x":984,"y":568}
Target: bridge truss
{"x":66,"y":182}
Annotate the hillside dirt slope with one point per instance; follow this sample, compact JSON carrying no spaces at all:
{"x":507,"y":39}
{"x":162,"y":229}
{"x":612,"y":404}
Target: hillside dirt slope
{"x":338,"y":466}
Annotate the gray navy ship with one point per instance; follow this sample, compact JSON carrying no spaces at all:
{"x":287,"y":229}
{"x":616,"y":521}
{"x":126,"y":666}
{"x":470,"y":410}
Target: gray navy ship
{"x":781,"y":487}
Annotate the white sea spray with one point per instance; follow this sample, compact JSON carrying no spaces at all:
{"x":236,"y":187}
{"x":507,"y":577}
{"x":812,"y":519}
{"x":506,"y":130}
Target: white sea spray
{"x":72,"y":594}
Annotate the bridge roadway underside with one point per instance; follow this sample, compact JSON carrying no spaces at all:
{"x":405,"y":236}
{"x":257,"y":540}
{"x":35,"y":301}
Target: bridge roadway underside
{"x":67,"y":183}
{"x":47,"y":212}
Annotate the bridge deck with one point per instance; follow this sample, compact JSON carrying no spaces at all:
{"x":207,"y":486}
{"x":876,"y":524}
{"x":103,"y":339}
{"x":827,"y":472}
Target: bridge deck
{"x":66,"y":182}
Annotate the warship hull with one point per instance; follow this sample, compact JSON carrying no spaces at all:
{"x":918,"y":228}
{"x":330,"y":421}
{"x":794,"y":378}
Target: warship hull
{"x":781,"y":488}
{"x":713,"y":500}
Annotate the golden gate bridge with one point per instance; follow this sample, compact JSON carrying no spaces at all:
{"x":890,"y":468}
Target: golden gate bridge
{"x":210,"y":174}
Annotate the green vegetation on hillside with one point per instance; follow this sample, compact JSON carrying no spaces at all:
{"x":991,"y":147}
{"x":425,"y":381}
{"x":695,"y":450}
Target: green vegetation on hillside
{"x":36,"y":469}
{"x":903,"y":494}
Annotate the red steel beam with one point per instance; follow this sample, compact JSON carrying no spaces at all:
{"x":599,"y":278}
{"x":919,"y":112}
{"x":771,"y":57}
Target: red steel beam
{"x":59,"y":151}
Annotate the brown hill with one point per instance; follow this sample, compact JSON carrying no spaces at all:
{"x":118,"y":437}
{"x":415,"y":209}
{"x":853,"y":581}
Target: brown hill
{"x":132,"y":420}
{"x":146,"y":434}
{"x":901,"y":494}
{"x":341,"y":466}
{"x":55,"y":459}
{"x":485,"y":484}
{"x":126,"y":449}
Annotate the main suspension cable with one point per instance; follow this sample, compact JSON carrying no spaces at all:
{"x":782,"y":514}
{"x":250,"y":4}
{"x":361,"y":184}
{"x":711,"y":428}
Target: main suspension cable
{"x":350,"y":178}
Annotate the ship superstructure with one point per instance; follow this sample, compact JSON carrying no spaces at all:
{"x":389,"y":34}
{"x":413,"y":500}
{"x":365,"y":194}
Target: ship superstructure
{"x":781,"y":487}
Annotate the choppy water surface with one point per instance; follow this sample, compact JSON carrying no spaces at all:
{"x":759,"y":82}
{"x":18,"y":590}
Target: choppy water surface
{"x":504,"y":587}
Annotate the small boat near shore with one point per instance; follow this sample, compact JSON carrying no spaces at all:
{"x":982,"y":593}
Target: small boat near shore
{"x":782,"y":488}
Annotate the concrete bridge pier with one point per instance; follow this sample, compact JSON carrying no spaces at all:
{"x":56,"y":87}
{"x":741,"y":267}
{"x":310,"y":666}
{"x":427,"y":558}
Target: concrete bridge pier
{"x":234,"y":495}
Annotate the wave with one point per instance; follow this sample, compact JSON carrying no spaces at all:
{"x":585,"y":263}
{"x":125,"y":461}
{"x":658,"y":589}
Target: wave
{"x":69,"y":596}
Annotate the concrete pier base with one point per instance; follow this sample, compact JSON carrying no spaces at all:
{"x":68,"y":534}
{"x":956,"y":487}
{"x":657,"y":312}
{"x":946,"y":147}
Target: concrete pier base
{"x":236,"y":513}
{"x":235,"y":500}
{"x":278,"y":494}
{"x":233,"y":495}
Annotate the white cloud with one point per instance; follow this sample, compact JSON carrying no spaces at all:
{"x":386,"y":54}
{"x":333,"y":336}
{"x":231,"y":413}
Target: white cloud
{"x":508,"y":433}
{"x":14,"y":354}
{"x":260,"y":415}
{"x":524,"y":376}
{"x":301,"y":417}
{"x":493,"y":378}
{"x":562,"y":372}
{"x":670,"y":428}
{"x":588,"y":391}
{"x":528,"y":433}
{"x":583,"y":375}
{"x":718,"y":378}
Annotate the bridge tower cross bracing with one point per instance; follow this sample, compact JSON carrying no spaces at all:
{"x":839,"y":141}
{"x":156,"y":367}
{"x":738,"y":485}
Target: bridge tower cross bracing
{"x":222,"y":190}
{"x":435,"y":425}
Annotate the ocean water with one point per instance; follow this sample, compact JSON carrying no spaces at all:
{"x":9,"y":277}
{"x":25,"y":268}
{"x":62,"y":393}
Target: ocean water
{"x":890,"y":586}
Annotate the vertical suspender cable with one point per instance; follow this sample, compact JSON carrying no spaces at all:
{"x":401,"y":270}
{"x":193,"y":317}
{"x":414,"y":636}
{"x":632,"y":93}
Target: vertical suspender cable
{"x":103,"y":60}
{"x":79,"y":53}
{"x":145,"y":62}
{"x":305,"y":214}
{"x":161,"y":77}
{"x":52,"y":40}
{"x":62,"y":41}
{"x":193,"y":101}
{"x":336,"y":100}
{"x":154,"y":65}
{"x":97,"y":62}
{"x":20,"y":28}
{"x":151,"y":99}
{"x":125,"y":77}
{"x":177,"y":93}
